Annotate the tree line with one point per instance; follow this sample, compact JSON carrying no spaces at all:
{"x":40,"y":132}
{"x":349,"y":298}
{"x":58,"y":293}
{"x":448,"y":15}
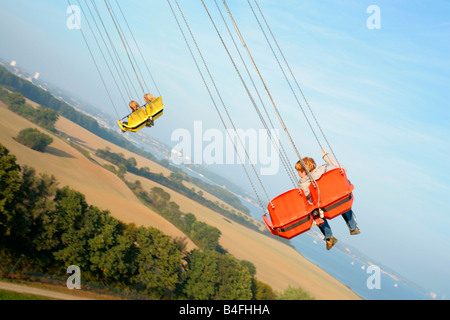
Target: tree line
{"x":42,"y":116}
{"x":54,"y":227}
{"x":174,"y":182}
{"x":203,"y":235}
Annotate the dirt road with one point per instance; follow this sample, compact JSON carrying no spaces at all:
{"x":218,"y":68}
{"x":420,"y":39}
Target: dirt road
{"x":38,"y":292}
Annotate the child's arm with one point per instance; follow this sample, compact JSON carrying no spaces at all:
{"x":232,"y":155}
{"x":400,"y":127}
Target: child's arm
{"x":329,"y":159}
{"x":304,"y":185}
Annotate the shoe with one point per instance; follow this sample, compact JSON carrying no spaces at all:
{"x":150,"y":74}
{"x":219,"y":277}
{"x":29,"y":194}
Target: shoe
{"x":331,"y":242}
{"x":355,"y":231}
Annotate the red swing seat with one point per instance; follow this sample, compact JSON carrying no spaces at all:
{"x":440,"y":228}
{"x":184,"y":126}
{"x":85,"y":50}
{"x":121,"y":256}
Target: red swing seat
{"x":291,"y":214}
{"x":335,"y":191}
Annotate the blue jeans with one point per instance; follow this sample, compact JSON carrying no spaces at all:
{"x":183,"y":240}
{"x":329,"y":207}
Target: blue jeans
{"x":349,"y":218}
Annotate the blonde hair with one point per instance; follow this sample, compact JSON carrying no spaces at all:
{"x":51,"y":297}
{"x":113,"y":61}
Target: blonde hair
{"x":309,"y":163}
{"x":149,"y":97}
{"x":134,"y":105}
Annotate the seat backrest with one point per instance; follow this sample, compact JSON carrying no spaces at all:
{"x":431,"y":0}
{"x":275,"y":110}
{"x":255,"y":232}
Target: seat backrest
{"x":288,"y":207}
{"x":137,"y":117}
{"x":156,"y":108}
{"x":333,"y":185}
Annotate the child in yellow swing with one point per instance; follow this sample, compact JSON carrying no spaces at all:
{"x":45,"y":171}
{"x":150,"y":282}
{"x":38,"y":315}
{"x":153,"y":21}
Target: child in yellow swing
{"x":143,"y":116}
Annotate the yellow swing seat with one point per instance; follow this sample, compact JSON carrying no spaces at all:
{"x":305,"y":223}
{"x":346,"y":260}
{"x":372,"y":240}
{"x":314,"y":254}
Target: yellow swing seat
{"x":143,"y":116}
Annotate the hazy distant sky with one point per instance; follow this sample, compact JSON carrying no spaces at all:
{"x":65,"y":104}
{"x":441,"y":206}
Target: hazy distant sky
{"x":381,"y":96}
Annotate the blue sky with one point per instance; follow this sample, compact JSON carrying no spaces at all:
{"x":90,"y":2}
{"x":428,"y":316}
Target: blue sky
{"x":381,"y":96}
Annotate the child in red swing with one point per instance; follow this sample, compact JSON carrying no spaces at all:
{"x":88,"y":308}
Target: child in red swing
{"x":315,"y":174}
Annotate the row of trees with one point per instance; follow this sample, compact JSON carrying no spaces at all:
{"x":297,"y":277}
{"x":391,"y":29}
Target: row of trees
{"x":174,"y":182}
{"x":55,"y":227}
{"x":203,"y":235}
{"x":42,"y":116}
